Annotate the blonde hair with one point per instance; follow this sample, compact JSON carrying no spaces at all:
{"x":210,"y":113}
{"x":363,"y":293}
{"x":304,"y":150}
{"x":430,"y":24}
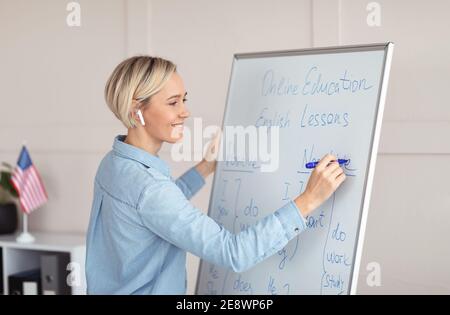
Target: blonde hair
{"x":137,"y":78}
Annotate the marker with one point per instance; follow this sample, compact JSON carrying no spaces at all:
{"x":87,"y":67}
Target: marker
{"x":314,"y":164}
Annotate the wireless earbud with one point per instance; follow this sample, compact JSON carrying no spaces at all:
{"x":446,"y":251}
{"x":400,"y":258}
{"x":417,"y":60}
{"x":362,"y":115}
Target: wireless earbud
{"x":141,"y":118}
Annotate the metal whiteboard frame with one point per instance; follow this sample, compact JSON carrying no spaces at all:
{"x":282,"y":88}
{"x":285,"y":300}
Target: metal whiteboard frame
{"x":376,"y":131}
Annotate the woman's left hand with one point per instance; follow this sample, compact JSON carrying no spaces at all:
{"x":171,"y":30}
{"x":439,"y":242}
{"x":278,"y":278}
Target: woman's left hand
{"x":209,"y":162}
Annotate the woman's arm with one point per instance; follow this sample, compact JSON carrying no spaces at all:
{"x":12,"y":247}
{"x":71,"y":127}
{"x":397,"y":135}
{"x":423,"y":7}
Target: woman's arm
{"x":164,"y":209}
{"x":194,"y":179}
{"x":190,"y":182}
{"x":208,"y":165}
{"x":205,"y":168}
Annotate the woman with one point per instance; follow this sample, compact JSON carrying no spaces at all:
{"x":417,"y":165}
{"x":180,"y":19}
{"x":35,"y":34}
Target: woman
{"x":142,"y":222}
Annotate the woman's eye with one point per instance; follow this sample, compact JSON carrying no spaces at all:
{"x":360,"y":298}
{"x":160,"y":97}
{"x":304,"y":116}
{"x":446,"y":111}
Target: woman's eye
{"x":175,"y":103}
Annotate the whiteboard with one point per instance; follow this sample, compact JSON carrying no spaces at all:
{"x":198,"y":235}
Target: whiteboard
{"x":325,"y":100}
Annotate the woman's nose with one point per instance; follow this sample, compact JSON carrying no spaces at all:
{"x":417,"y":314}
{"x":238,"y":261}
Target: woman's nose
{"x":185,"y":113}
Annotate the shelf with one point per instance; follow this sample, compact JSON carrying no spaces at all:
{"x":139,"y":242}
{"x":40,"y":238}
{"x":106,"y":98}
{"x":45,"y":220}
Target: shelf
{"x":17,"y":257}
{"x":46,"y":241}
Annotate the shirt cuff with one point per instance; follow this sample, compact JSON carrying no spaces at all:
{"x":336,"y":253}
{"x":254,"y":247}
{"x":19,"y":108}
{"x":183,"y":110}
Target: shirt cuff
{"x":194,"y":180}
{"x":291,"y":219}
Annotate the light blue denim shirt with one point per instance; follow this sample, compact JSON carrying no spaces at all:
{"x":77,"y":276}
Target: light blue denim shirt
{"x":142,"y":224}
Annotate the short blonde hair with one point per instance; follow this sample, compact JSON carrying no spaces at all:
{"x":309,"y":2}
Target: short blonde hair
{"x":136,"y":78}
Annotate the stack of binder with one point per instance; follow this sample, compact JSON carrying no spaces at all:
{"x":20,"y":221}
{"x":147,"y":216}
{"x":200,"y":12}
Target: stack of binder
{"x":50,"y":279}
{"x":25,"y":283}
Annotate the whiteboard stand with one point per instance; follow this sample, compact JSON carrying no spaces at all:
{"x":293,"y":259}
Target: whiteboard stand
{"x":311,"y":271}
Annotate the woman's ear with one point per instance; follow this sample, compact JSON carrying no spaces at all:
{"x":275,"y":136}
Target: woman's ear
{"x":137,"y":113}
{"x":141,"y":117}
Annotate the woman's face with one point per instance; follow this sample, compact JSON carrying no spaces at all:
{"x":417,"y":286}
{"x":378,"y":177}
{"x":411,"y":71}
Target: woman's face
{"x":165,"y":114}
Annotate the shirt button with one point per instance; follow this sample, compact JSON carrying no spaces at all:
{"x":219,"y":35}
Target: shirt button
{"x":297,"y":230}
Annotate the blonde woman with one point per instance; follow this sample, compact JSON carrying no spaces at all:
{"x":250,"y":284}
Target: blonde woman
{"x":142,"y":223}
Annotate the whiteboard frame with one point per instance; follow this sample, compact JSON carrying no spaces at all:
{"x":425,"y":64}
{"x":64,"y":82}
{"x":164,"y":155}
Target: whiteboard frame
{"x":388,"y":48}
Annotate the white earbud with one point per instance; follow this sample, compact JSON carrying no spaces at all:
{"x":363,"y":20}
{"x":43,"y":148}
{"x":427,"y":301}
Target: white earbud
{"x":141,"y":118}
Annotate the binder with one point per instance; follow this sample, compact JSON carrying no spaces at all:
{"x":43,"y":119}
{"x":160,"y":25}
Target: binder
{"x":30,"y":288}
{"x":25,"y":283}
{"x":54,"y":274}
{"x":1,"y":272}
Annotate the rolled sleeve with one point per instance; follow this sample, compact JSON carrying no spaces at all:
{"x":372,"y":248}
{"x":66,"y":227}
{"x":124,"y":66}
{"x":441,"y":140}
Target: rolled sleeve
{"x":190,"y":182}
{"x":291,"y":219}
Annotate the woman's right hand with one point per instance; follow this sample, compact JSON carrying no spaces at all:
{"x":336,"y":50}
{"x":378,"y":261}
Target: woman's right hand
{"x":324,"y":180}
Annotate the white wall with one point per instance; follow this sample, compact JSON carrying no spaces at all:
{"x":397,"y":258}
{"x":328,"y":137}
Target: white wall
{"x":408,"y":230}
{"x":52,"y":95}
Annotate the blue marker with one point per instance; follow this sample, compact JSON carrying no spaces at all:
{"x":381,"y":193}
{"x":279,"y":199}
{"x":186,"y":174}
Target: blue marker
{"x":314,"y":164}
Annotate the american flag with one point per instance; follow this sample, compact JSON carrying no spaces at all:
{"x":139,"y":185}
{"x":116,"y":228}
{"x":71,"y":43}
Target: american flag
{"x":28,"y":183}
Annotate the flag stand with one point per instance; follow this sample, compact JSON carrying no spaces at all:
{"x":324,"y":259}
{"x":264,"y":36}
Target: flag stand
{"x":30,"y":190}
{"x":25,"y":237}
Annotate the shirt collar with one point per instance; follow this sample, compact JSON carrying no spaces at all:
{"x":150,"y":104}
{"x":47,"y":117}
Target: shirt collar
{"x":139,"y":155}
